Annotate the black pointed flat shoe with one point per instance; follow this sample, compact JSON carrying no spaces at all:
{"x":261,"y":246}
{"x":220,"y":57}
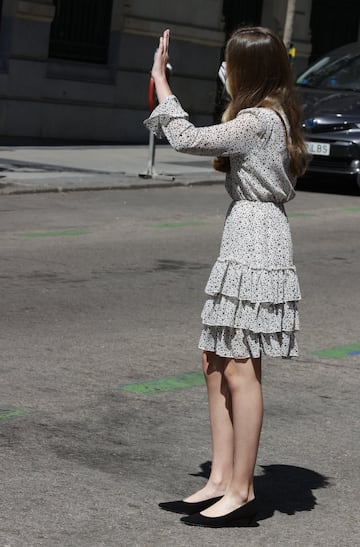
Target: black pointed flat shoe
{"x":243,"y":516}
{"x":187,"y":508}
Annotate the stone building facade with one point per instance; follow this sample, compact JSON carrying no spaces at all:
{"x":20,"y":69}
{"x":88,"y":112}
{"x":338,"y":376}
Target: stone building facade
{"x":78,"y":70}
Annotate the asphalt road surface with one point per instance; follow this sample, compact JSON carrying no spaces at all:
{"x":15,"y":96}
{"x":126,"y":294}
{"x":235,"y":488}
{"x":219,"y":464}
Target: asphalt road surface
{"x":102,"y":409}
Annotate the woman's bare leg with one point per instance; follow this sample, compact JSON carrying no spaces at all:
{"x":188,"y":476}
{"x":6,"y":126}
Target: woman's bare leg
{"x":221,"y":429}
{"x":244,"y":382}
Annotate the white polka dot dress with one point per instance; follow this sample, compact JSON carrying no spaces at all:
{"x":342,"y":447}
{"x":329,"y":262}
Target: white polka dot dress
{"x":253,"y":289}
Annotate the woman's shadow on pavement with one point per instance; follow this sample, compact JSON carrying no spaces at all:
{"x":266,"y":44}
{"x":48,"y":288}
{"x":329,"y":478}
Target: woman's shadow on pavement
{"x":284,"y":488}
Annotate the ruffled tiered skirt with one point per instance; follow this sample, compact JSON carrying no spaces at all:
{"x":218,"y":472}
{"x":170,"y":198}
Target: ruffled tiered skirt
{"x":253,"y":287}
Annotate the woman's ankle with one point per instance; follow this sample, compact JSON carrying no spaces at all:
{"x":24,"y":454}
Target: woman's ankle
{"x":210,"y":490}
{"x":242,"y":494}
{"x":219,"y":483}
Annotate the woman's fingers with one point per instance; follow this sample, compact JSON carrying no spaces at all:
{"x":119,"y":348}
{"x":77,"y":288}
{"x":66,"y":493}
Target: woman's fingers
{"x":164,"y":42}
{"x":166,"y":36}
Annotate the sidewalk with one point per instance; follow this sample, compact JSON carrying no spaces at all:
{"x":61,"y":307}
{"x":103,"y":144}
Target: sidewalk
{"x":59,"y":168}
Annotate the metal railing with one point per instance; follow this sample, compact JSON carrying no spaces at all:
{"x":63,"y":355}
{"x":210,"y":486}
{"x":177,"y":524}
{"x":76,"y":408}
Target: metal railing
{"x":81,"y":30}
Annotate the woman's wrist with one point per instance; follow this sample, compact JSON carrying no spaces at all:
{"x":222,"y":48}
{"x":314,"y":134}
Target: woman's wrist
{"x":163,"y":90}
{"x":159,"y":79}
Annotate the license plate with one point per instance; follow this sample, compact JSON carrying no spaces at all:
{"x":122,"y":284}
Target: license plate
{"x":318,"y":148}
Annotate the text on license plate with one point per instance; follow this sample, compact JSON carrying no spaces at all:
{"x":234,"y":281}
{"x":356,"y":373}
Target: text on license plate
{"x":318,"y":148}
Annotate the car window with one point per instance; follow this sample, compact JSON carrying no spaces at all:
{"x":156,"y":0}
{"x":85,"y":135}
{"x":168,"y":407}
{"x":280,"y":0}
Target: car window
{"x":309,"y":73}
{"x":339,"y":73}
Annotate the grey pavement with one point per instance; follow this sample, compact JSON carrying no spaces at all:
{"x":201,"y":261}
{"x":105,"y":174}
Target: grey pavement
{"x":104,"y":289}
{"x":26,"y":169}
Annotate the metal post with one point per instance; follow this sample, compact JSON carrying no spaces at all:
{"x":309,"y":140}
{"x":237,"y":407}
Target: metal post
{"x":150,"y":171}
{"x":289,"y":22}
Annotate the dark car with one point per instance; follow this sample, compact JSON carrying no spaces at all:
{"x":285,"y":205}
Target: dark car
{"x":330,"y":92}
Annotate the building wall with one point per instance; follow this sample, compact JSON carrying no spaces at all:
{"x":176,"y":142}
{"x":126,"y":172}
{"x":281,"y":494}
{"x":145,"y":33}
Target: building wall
{"x":44,"y":98}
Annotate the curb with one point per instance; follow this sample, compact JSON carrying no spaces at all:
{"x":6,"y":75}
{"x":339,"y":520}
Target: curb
{"x":130,"y":183}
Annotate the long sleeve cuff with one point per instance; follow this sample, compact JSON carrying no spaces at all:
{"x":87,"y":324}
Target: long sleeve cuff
{"x":161,"y":116}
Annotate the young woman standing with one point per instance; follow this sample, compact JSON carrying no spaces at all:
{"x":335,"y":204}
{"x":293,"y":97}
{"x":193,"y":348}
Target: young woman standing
{"x":251,"y":308}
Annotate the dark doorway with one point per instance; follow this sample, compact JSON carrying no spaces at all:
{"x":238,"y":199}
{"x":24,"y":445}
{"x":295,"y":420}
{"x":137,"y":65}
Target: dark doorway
{"x":238,"y":13}
{"x":333,"y":24}
{"x":81,"y":30}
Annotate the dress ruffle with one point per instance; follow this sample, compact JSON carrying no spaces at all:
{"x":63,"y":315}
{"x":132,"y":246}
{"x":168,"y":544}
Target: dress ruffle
{"x":250,"y":311}
{"x":162,"y":115}
{"x":242,"y":344}
{"x":257,"y":317}
{"x":232,"y":279}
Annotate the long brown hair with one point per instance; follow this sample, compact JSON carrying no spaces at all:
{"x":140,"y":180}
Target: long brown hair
{"x":259,"y":75}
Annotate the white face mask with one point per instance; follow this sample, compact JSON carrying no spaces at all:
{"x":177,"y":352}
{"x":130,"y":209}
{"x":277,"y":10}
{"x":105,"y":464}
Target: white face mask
{"x":222,"y":76}
{"x":222,"y":73}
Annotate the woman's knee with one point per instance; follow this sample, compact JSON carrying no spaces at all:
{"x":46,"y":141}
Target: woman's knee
{"x":233,"y":370}
{"x":240,"y":372}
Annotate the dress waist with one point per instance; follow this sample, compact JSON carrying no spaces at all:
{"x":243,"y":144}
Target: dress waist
{"x":250,"y":203}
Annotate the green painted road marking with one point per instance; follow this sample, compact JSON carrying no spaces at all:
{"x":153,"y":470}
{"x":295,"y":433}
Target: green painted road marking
{"x":352,"y":209}
{"x":340,"y":352}
{"x":7,"y":413}
{"x":55,"y":233}
{"x":178,"y":224}
{"x":170,"y":383}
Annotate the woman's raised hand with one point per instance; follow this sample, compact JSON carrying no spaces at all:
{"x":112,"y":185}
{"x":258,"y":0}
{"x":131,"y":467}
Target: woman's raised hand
{"x":161,"y":57}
